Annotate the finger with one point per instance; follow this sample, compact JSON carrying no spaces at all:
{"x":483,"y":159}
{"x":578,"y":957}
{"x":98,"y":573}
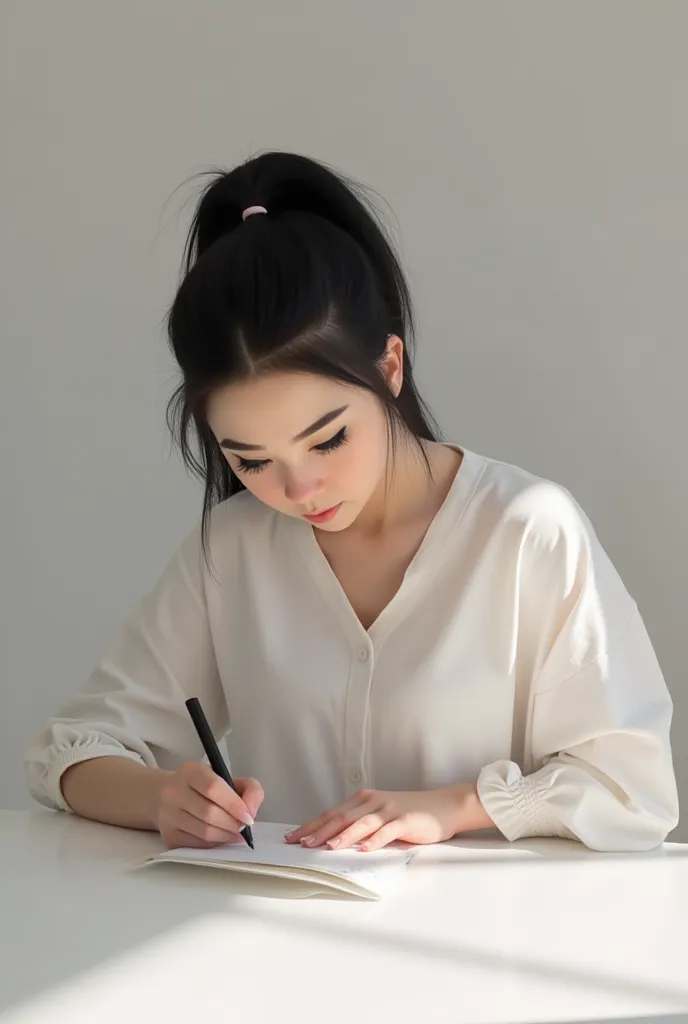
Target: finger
{"x":178,"y":837}
{"x":389,"y":833}
{"x":185,"y":822}
{"x":251,"y":793}
{"x":315,"y":825}
{"x":339,"y":823}
{"x":174,"y":840}
{"x":319,"y":831}
{"x":204,"y":780}
{"x":362,"y":829}
{"x":207,"y":811}
{"x":300,"y":833}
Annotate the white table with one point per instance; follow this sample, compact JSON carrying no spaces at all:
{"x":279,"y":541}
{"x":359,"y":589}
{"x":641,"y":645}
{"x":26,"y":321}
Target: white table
{"x":480,"y":931}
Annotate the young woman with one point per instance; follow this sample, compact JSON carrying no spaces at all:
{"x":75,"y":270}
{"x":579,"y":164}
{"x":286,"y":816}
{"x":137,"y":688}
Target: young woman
{"x":402,"y":638}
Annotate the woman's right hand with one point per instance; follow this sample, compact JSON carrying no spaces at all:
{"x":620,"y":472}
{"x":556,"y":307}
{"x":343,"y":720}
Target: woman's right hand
{"x":198,"y":808}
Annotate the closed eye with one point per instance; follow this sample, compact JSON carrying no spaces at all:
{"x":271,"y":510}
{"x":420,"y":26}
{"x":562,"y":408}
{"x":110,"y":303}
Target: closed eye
{"x":252,"y":465}
{"x":335,"y":442}
{"x":331,"y":445}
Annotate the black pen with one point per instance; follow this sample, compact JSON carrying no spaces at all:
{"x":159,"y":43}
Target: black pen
{"x":213,"y":754}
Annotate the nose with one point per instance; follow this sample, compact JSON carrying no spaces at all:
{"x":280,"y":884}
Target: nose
{"x":302,"y":488}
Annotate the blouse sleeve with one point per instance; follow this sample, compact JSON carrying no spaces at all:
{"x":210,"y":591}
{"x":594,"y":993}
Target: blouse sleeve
{"x":596,"y":763}
{"x":133,"y":703}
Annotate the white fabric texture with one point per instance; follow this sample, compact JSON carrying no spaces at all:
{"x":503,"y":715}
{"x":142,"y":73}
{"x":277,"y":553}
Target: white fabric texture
{"x":512,"y":655}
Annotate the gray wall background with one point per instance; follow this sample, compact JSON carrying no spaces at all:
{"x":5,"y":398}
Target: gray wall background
{"x":536,"y":157}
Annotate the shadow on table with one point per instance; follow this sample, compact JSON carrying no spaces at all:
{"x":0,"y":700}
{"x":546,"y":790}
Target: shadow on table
{"x":458,"y":952}
{"x":70,"y":868}
{"x":71,"y":863}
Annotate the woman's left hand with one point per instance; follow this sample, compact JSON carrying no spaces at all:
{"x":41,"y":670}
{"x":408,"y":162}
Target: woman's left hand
{"x":372,"y":818}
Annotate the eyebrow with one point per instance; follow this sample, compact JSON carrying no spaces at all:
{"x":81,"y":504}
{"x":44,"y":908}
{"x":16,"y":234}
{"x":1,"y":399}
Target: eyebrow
{"x":241,"y":446}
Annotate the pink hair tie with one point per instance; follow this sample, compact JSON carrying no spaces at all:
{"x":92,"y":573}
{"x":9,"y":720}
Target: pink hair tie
{"x":251,"y":210}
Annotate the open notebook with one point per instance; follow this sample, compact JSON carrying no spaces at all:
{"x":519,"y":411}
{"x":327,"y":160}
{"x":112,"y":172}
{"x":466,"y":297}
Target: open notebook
{"x":303,"y":871}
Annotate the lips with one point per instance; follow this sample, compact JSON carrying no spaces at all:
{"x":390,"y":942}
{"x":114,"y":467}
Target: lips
{"x":324,"y":516}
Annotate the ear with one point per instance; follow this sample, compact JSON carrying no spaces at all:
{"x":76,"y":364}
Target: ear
{"x":392,"y":364}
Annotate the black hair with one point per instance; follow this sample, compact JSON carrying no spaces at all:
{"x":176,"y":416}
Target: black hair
{"x":312,"y":286}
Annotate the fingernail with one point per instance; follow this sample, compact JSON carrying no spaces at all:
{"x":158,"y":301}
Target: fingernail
{"x":247,"y":819}
{"x":308,"y":840}
{"x":332,"y":843}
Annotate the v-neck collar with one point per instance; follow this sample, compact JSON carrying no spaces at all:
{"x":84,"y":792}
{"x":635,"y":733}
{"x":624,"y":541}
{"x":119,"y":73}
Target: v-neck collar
{"x":445,"y":520}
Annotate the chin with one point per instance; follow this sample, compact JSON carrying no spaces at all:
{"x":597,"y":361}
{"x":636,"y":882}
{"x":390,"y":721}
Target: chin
{"x":329,"y":527}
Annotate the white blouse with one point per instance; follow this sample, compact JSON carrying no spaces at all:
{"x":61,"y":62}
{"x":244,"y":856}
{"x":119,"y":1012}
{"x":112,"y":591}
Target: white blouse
{"x":512,"y":655}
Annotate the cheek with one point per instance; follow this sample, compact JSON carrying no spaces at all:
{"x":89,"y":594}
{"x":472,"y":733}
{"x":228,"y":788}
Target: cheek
{"x":361,"y":464}
{"x":265,"y":486}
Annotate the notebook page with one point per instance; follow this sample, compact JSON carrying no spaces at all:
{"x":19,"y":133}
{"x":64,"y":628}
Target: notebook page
{"x":374,"y":872}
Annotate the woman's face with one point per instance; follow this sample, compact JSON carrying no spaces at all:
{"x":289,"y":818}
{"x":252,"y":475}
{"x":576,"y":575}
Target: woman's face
{"x":305,"y":444}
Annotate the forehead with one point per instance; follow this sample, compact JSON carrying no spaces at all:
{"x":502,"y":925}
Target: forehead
{"x":275,"y":406}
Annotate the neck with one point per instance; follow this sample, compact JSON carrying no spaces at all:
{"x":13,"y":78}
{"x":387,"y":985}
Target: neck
{"x":409,"y":488}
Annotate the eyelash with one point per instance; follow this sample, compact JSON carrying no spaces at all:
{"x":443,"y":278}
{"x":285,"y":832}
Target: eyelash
{"x":256,"y":465}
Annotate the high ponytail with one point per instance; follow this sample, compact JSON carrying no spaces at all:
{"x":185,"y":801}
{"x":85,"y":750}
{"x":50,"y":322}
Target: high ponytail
{"x":313,"y":285}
